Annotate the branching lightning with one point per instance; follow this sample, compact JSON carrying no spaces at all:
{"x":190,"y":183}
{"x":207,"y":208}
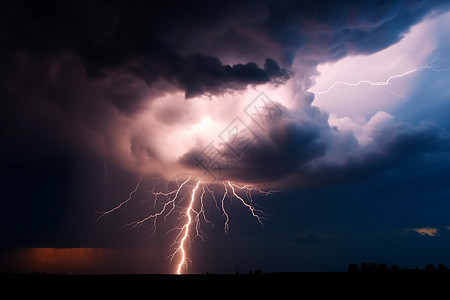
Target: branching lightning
{"x":255,"y":212}
{"x":104,"y":213}
{"x":192,"y":216}
{"x":429,"y":66}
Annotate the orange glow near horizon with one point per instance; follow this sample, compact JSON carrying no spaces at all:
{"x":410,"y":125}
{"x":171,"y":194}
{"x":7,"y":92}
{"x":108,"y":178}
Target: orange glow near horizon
{"x":81,"y":261}
{"x":58,"y":260}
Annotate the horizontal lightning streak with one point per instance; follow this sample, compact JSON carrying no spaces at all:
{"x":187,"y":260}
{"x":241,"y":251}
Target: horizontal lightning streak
{"x":428,"y":66}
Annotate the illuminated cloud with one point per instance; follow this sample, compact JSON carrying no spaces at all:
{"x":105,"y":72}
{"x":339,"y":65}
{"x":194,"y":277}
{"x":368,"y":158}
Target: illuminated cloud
{"x":429,"y":231}
{"x":151,"y":100}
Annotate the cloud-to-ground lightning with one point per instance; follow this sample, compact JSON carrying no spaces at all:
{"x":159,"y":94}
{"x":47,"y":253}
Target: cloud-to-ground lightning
{"x":193,"y":215}
{"x":186,"y":230}
{"x":429,"y":66}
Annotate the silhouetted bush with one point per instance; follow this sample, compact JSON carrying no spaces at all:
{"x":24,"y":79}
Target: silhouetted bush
{"x":382,"y":268}
{"x":395,"y":268}
{"x":364,"y":267}
{"x":373,"y":267}
{"x":442,"y":268}
{"x":430,"y":268}
{"x":353,"y":268}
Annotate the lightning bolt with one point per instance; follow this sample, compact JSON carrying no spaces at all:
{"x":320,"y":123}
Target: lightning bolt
{"x":255,"y":212}
{"x":194,"y":214}
{"x":104,"y":213}
{"x":186,"y":230}
{"x":171,"y":204}
{"x":429,"y":66}
{"x":225,"y":226}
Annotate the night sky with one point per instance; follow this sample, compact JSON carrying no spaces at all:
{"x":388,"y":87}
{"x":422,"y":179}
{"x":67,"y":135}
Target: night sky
{"x":339,"y":107}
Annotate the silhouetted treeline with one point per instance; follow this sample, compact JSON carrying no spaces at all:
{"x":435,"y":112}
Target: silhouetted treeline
{"x":373,"y":267}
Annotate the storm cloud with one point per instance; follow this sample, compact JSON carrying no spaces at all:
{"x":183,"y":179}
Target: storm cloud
{"x":98,"y":96}
{"x":94,"y":76}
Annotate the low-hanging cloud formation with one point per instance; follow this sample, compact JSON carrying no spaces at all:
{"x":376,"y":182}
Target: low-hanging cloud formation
{"x":106,"y":77}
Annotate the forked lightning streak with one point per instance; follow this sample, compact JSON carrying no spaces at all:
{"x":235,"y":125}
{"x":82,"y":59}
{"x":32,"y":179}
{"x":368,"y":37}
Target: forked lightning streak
{"x":194,"y":215}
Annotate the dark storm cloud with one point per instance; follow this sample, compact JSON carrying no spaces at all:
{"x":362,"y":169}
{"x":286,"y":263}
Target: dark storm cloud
{"x":139,"y":40}
{"x":203,"y":74}
{"x":329,"y":30}
{"x":290,"y":142}
{"x":301,"y":149}
{"x":109,"y":35}
{"x":76,"y":73}
{"x":396,"y":148}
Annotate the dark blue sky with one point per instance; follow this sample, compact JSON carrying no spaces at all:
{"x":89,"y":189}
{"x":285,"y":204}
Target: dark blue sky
{"x":96,"y":95}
